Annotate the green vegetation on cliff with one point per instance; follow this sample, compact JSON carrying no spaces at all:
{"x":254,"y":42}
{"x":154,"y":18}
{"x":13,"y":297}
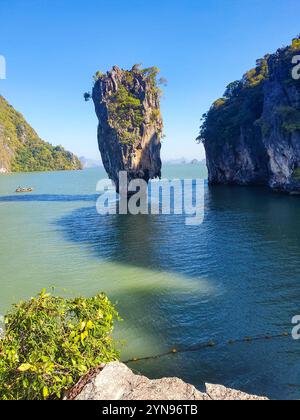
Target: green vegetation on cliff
{"x":21,"y":149}
{"x":242,"y":105}
{"x":125,"y":105}
{"x":50,"y":342}
{"x":125,"y":114}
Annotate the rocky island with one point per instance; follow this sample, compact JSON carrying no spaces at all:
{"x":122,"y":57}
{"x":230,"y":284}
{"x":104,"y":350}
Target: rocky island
{"x":252,"y":134}
{"x":22,"y":150}
{"x":130,"y":129}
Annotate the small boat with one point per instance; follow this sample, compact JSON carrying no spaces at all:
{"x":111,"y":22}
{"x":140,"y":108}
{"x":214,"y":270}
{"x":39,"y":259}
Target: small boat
{"x":24,"y":190}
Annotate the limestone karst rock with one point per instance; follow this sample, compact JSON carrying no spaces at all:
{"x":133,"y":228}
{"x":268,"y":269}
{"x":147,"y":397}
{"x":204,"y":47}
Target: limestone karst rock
{"x":116,"y":381}
{"x":252,"y":134}
{"x":127,"y":105}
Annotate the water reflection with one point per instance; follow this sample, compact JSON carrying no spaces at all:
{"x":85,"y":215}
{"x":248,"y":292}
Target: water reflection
{"x":246,"y":253}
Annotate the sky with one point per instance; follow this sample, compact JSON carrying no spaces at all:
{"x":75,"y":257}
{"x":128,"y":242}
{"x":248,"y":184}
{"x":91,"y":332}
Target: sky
{"x":53,"y":47}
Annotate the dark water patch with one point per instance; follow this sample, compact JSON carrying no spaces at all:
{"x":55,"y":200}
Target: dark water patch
{"x":247,"y":251}
{"x":47,"y":197}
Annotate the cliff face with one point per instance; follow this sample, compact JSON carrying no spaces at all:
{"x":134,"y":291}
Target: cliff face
{"x":21,"y":149}
{"x":252,"y":134}
{"x":127,"y":105}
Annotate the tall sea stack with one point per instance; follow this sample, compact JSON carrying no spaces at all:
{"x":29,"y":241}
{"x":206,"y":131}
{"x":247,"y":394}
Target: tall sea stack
{"x":127,"y":105}
{"x":252,"y":134}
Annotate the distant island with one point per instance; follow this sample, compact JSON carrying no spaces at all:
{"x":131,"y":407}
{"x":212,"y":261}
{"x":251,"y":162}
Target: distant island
{"x":90,"y":163}
{"x":22,"y":150}
{"x":184,"y":161}
{"x":252,"y":134}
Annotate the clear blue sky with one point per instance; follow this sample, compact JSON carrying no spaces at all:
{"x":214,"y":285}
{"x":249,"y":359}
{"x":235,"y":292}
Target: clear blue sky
{"x":53,"y":47}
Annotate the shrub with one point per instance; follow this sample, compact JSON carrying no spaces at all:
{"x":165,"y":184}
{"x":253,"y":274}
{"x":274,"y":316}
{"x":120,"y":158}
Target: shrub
{"x":290,"y":118}
{"x":50,"y":342}
{"x":296,"y":43}
{"x":257,"y":75}
{"x":87,"y":96}
{"x":155,"y":115}
{"x":97,"y":76}
{"x":296,"y":175}
{"x":125,"y":114}
{"x":233,"y":89}
{"x":219,"y":102}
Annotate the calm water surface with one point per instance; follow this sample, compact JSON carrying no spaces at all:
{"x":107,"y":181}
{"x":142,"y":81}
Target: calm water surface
{"x":236,"y":275}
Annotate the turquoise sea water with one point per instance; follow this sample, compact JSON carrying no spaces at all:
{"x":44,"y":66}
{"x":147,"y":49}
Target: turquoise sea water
{"x":234,"y":276}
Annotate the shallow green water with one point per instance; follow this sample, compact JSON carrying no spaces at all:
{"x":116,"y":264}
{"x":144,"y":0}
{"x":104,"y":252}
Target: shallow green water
{"x":236,"y":275}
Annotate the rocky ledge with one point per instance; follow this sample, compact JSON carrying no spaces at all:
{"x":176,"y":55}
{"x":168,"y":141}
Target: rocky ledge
{"x":127,"y":104}
{"x":116,"y":381}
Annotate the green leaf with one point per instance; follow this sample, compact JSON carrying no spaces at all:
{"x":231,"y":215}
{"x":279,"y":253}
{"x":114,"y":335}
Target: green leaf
{"x":45,"y":392}
{"x":25,"y":367}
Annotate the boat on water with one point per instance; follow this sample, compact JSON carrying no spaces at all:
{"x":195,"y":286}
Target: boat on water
{"x":24,"y":190}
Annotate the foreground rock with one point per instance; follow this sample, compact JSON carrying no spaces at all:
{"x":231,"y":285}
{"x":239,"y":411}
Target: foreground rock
{"x":252,"y":134}
{"x":127,"y":105}
{"x":117,"y":382}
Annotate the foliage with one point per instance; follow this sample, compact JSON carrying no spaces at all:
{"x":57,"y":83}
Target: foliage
{"x":150,"y":73}
{"x":125,"y":114}
{"x":50,"y":342}
{"x":98,"y":76}
{"x":290,"y":118}
{"x":296,"y":43}
{"x":233,"y":89}
{"x":136,"y":68}
{"x":129,"y":78}
{"x":296,"y":175}
{"x":224,"y":120}
{"x":219,"y":102}
{"x":87,"y":96}
{"x":257,"y":75}
{"x":241,"y":107}
{"x":21,"y":149}
{"x":156,"y":115}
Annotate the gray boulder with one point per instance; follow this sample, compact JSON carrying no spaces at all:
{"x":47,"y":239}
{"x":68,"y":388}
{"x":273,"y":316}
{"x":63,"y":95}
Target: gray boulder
{"x":117,"y":382}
